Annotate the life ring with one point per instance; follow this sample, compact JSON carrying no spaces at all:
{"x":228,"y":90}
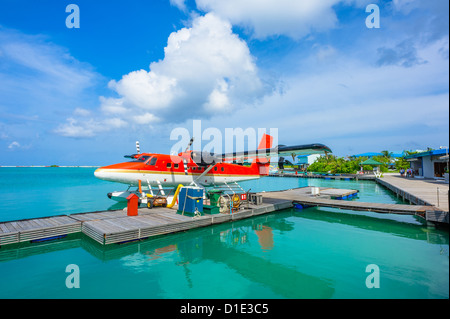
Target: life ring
{"x":236,"y":201}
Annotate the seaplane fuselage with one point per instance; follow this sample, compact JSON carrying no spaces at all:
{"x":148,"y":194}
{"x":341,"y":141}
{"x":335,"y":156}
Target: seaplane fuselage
{"x":172,"y":170}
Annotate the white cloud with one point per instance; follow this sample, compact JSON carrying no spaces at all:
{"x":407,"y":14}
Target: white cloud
{"x":51,"y":67}
{"x":114,"y":123}
{"x":14,"y":145}
{"x":17,"y":146}
{"x":112,"y":106}
{"x":347,"y":99}
{"x":180,"y":4}
{"x":146,"y":90}
{"x":146,"y":118}
{"x":405,"y":6}
{"x":206,"y":69}
{"x":218,"y":100}
{"x":75,"y":129}
{"x":38,"y":76}
{"x":85,"y":128}
{"x":81,"y":112}
{"x":275,"y":17}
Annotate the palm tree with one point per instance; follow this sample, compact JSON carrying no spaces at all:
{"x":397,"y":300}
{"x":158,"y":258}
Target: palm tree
{"x":387,"y":154}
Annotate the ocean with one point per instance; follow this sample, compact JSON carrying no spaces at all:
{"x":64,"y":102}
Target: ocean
{"x":310,"y":253}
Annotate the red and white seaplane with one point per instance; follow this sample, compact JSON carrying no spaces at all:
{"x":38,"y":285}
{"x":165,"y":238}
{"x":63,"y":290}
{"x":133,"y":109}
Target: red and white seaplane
{"x":201,"y":169}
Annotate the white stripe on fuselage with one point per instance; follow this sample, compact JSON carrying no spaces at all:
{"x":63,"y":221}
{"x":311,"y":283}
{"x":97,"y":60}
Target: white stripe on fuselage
{"x":131,"y":178}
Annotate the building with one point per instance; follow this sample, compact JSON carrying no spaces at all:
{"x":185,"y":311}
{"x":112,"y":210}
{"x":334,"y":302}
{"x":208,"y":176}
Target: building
{"x":303,"y":161}
{"x":372,"y":154}
{"x":429,"y":164}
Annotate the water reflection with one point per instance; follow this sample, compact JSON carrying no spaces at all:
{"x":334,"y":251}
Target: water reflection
{"x":233,"y":245}
{"x":265,"y":237}
{"x":421,"y":231}
{"x":118,"y":205}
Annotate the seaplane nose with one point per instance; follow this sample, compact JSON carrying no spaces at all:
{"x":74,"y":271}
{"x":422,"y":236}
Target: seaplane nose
{"x":100,"y":173}
{"x":111,"y":174}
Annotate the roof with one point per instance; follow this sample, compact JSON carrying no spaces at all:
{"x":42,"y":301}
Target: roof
{"x":371,"y":154}
{"x":442,"y":151}
{"x":371,"y":162}
{"x":307,"y":155}
{"x":368,"y":154}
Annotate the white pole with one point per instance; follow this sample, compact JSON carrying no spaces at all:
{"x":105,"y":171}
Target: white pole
{"x":438,"y":196}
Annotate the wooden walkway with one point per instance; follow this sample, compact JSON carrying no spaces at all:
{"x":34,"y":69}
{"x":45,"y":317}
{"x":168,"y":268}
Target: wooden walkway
{"x":298,"y":196}
{"x":418,"y":191}
{"x":37,"y":228}
{"x":109,"y":227}
{"x":326,"y":176}
{"x":159,"y":221}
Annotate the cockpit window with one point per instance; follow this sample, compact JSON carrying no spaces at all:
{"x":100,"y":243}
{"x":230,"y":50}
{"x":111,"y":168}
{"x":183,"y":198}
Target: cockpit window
{"x":143,"y":158}
{"x":152,"y":161}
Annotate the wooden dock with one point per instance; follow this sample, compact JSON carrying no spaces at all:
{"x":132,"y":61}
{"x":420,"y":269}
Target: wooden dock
{"x":108,"y":227}
{"x":428,"y":192}
{"x":37,"y":229}
{"x":418,"y":191}
{"x":434,"y":194}
{"x":345,"y":177}
{"x":323,"y":200}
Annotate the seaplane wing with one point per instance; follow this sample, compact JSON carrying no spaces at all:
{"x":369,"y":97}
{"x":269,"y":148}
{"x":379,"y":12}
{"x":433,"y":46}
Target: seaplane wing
{"x":202,"y":168}
{"x":279,"y":151}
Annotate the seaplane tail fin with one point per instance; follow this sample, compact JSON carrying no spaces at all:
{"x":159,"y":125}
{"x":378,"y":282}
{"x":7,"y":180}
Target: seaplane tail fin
{"x":266,"y":150}
{"x":266,"y":142}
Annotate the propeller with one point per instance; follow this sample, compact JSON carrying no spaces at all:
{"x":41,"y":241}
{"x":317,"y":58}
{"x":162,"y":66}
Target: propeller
{"x":189,"y":145}
{"x":138,"y":151}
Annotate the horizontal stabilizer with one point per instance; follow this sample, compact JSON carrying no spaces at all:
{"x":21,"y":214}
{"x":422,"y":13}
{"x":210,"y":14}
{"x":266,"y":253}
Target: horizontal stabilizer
{"x":306,"y":149}
{"x":280,"y":150}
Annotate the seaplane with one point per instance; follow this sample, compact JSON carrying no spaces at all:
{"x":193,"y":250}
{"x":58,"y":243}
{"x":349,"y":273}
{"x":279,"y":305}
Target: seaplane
{"x":203,"y":169}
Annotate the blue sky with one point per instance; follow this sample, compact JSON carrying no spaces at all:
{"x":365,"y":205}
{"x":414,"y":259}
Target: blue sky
{"x":136,"y":70}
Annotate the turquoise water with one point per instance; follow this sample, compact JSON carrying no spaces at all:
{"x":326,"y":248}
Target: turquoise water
{"x":310,"y":253}
{"x":29,"y":192}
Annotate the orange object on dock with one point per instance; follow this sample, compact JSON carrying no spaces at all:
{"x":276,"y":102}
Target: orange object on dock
{"x":132,"y":205}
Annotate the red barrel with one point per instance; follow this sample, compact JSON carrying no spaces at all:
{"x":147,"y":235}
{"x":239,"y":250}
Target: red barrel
{"x":132,"y":205}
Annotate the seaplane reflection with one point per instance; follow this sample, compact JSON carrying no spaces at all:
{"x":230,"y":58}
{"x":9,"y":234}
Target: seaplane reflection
{"x":232,"y":246}
{"x":265,"y":237}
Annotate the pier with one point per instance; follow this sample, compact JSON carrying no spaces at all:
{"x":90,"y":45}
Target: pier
{"x":297,"y":196}
{"x":109,"y":227}
{"x":37,"y":229}
{"x":432,"y":194}
{"x":345,"y":177}
{"x":418,"y":191}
